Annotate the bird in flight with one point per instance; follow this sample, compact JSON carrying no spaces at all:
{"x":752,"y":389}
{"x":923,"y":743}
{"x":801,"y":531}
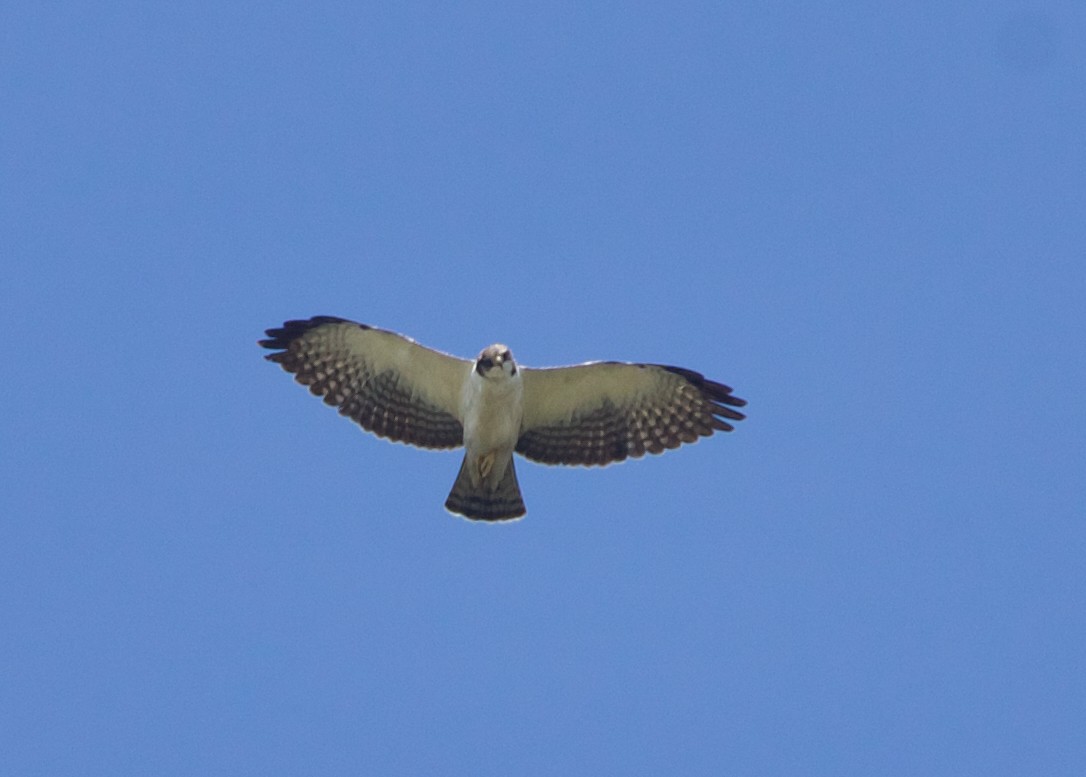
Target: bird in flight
{"x":587,"y":414}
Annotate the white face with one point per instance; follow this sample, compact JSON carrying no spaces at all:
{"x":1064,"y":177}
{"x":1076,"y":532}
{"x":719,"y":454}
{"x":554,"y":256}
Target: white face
{"x":496,"y":363}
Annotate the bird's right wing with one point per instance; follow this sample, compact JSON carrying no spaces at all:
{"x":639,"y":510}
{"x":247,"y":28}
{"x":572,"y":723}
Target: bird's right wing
{"x":388,"y":383}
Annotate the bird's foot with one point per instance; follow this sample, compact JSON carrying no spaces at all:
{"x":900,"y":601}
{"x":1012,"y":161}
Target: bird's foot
{"x":486,"y":464}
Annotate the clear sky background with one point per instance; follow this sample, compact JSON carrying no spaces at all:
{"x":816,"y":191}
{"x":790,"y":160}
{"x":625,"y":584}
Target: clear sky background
{"x":870,"y":219}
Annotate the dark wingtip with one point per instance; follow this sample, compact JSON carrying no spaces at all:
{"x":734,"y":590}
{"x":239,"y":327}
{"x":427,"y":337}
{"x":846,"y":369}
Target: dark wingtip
{"x":718,"y":394}
{"x":280,"y":338}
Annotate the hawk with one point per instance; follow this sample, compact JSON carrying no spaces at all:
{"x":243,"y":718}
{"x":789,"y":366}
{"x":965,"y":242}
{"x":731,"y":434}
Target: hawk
{"x":588,"y":414}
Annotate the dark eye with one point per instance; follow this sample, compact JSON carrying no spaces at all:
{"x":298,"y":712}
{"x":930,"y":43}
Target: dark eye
{"x":485,"y":363}
{"x":506,"y":356}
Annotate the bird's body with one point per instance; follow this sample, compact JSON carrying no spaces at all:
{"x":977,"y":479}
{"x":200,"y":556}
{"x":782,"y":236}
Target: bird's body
{"x":491,"y":409}
{"x":588,"y":414}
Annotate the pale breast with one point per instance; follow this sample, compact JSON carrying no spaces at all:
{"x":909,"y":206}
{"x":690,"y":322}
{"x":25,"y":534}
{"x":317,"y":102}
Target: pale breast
{"x":492,"y":411}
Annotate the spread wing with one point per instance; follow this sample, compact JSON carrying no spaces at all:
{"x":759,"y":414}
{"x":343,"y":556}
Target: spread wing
{"x":601,"y":412}
{"x":388,"y":383}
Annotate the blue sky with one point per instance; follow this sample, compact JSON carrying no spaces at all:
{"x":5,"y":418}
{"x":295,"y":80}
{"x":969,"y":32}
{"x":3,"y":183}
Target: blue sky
{"x":868,"y":220}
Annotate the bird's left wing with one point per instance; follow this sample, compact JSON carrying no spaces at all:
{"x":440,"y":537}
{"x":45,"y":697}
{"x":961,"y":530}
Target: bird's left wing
{"x":597,"y":413}
{"x":388,"y":383}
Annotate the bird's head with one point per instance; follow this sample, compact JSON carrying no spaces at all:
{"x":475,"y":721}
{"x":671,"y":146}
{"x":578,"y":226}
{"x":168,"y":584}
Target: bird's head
{"x":495,"y":362}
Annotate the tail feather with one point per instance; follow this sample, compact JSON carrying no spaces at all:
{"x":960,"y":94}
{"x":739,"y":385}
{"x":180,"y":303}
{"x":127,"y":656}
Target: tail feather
{"x":485,"y":502}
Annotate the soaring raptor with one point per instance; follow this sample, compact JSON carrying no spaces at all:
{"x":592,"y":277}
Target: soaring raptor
{"x":588,"y":414}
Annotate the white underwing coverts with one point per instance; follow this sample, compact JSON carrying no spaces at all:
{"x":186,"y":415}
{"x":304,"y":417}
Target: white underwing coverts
{"x":588,"y":414}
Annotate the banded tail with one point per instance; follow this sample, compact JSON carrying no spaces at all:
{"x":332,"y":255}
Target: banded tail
{"x":484,"y":502}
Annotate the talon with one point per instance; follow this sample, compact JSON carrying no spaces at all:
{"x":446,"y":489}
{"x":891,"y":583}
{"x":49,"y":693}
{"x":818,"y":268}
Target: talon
{"x":486,"y":464}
